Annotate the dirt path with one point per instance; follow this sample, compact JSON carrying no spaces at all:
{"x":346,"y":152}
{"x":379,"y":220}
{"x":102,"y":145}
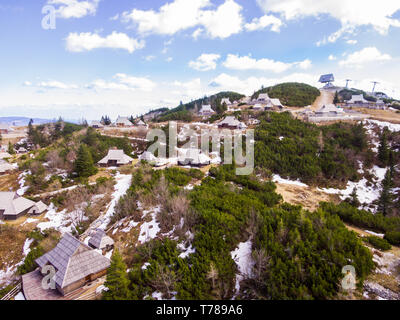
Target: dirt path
{"x":325,"y":98}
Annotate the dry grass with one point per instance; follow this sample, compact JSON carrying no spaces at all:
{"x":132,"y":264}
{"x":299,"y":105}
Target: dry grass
{"x":9,"y":182}
{"x":307,"y":197}
{"x":12,"y":241}
{"x":126,"y":242}
{"x":387,"y":281}
{"x":382,"y":115}
{"x":102,"y":173}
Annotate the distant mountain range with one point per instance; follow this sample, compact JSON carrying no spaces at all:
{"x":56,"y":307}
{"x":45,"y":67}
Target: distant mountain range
{"x":23,"y":121}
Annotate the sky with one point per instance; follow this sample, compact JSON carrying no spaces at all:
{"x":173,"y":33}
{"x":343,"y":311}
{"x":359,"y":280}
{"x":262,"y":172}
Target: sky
{"x":87,"y":58}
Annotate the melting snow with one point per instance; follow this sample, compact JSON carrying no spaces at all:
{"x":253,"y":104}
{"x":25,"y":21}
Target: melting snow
{"x":149,"y":230}
{"x":145,"y":266}
{"x":27,"y":245}
{"x":57,"y":220}
{"x":21,"y":180}
{"x":186,"y":251}
{"x":123,"y":184}
{"x":367,"y":192}
{"x":277,"y":178}
{"x":30,"y":220}
{"x":131,"y":225}
{"x":157,"y":295}
{"x":380,"y":235}
{"x":242,"y":256}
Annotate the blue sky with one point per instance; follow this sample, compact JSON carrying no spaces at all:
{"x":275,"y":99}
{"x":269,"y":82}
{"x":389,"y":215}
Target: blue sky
{"x":122,"y":57}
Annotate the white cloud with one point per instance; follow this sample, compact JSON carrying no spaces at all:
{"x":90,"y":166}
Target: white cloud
{"x":352,"y":42}
{"x":73,"y":8}
{"x":149,"y":58}
{"x":188,"y":89}
{"x":305,"y":65}
{"x":351,"y":14}
{"x":237,"y":62}
{"x":197,"y":33}
{"x":180,"y":15}
{"x":79,"y":42}
{"x":124,"y":82}
{"x":206,"y":62}
{"x":169,"y":59}
{"x":227,"y":20}
{"x":267,"y":21}
{"x":364,"y":56}
{"x":249,"y":85}
{"x":332,"y":57}
{"x":52,"y":84}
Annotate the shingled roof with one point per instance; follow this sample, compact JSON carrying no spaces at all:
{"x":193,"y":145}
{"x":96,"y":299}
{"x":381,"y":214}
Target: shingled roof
{"x":117,"y":155}
{"x":100,"y":240}
{"x":73,"y":261}
{"x":12,"y":204}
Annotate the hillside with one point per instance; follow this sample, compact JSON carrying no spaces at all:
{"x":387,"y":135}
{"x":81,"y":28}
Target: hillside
{"x":346,"y":94}
{"x":184,"y":111}
{"x":291,"y":94}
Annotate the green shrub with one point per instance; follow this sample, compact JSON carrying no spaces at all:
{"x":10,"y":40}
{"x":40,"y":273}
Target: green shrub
{"x":393,"y":237}
{"x":378,"y":243}
{"x":291,"y":94}
{"x":29,"y":263}
{"x":295,"y":156}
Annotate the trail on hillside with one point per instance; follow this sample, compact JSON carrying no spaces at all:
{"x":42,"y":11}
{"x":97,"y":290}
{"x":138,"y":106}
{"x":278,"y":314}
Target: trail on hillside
{"x":325,"y":98}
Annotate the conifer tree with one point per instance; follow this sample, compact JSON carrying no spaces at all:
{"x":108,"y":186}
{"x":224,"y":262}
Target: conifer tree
{"x":336,"y":99}
{"x":385,"y":202}
{"x":117,"y":279}
{"x":84,"y":166}
{"x":11,"y":148}
{"x":383,"y":149}
{"x":353,"y":200}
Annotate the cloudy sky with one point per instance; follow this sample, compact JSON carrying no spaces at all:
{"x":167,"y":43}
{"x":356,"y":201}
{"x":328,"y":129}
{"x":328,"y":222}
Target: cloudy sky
{"x":123,"y":57}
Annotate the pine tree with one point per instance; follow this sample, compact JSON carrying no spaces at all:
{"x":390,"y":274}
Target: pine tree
{"x":385,"y":202}
{"x":84,"y":166}
{"x":336,"y":99}
{"x":117,"y":280}
{"x":383,"y":149}
{"x":11,"y":148}
{"x":353,"y":199}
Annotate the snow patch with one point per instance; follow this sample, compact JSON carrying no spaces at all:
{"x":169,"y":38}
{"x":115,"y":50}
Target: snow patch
{"x":243,"y":259}
{"x":21,"y":181}
{"x":278,"y":179}
{"x":122,"y":186}
{"x":367,"y":192}
{"x":380,"y":235}
{"x":27,"y":246}
{"x":149,"y":230}
{"x":57,"y":220}
{"x":186,"y":251}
